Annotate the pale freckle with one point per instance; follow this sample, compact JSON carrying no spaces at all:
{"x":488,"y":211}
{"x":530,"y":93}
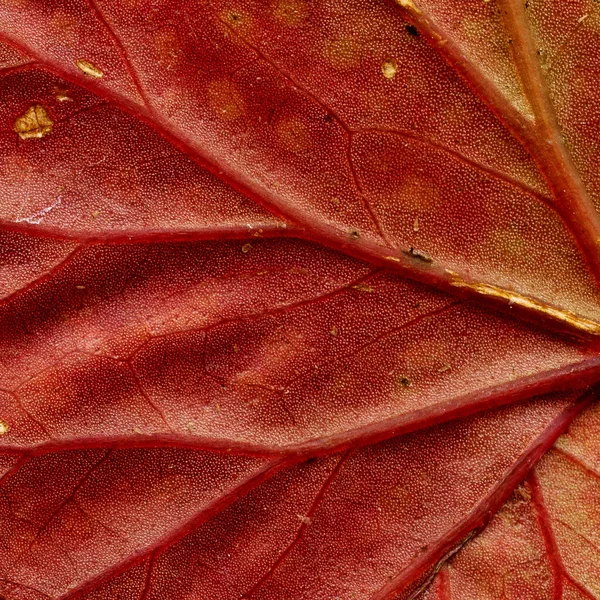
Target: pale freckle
{"x":89,"y":69}
{"x":225,"y":100}
{"x":68,"y":27}
{"x":34,"y":123}
{"x":343,"y":54}
{"x":389,"y":68}
{"x":290,"y":12}
{"x":509,"y":242}
{"x":293,"y":135}
{"x":167,"y":47}
{"x":3,"y":427}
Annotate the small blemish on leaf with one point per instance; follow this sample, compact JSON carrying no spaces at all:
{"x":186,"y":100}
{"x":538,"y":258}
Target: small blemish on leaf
{"x":306,"y":520}
{"x":361,"y":287}
{"x":334,"y":331}
{"x":354,"y":235}
{"x":416,"y":225}
{"x":225,"y":100}
{"x":62,"y":95}
{"x":246,"y":248}
{"x":389,"y":68}
{"x":89,"y":69}
{"x":405,"y":382}
{"x":4,"y":428}
{"x":343,"y":54}
{"x":419,"y":255}
{"x":444,"y":368}
{"x":412,"y":30}
{"x":35,"y":123}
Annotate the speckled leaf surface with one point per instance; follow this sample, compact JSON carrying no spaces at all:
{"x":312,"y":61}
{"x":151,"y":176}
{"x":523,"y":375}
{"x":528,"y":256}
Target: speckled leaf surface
{"x":299,"y":299}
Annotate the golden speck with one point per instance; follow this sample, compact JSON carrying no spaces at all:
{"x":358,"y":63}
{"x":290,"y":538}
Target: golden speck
{"x":409,"y":5}
{"x":3,"y":427}
{"x":246,"y":248}
{"x":334,"y":331}
{"x":34,"y":123}
{"x":89,"y":69}
{"x":361,"y":287}
{"x":80,"y":287}
{"x":416,"y":225}
{"x":95,"y":214}
{"x":389,"y":68}
{"x":61,"y":94}
{"x":444,"y":368}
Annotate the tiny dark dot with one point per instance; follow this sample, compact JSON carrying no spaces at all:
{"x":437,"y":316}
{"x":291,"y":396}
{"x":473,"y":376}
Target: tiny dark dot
{"x":412,"y":30}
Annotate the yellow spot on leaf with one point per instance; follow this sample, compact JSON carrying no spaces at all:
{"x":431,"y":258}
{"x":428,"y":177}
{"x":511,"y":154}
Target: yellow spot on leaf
{"x":3,"y":427}
{"x":62,"y":95}
{"x":361,"y":287}
{"x":89,"y":69}
{"x":290,"y":12}
{"x":389,"y":68}
{"x":167,"y":48}
{"x":34,"y":123}
{"x":225,"y":100}
{"x":409,"y":5}
{"x":246,"y":248}
{"x":514,"y":298}
{"x":343,"y":54}
{"x":293,"y":135}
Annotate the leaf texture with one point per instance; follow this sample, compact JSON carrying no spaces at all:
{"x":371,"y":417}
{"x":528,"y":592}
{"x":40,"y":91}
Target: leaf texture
{"x":299,"y":299}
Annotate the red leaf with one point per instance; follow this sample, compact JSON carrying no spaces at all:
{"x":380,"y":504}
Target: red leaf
{"x":270,"y":250}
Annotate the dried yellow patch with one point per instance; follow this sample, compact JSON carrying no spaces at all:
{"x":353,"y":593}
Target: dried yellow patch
{"x":409,"y":5}
{"x":343,"y":54}
{"x":62,"y":94}
{"x":89,"y":69}
{"x":514,"y":298}
{"x":293,"y":135}
{"x":167,"y":48}
{"x":290,"y":12}
{"x":3,"y":427}
{"x":34,"y":123}
{"x":225,"y":100}
{"x":389,"y":68}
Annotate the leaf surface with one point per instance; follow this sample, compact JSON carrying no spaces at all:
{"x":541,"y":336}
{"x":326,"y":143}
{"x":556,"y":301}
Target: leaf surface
{"x":293,"y":297}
